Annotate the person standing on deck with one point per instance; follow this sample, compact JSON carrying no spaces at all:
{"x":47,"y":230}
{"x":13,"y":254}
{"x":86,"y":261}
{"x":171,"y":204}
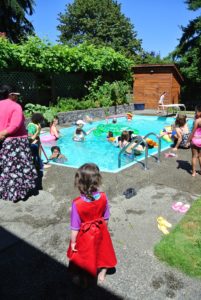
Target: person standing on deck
{"x":161,"y":102}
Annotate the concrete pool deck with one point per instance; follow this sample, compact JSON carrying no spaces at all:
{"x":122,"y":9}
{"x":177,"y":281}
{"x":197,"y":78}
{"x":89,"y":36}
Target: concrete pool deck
{"x":34,"y":235}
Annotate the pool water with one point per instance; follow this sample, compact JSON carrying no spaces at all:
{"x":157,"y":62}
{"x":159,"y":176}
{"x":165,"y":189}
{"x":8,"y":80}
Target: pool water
{"x":98,"y":150}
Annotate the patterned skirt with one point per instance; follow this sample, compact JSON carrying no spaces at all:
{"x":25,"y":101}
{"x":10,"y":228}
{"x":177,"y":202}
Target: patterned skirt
{"x":17,"y":172}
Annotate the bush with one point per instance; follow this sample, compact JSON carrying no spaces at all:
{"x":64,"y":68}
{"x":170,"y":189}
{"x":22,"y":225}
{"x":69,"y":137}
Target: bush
{"x":47,"y":112}
{"x":107,"y":94}
{"x":39,"y":55}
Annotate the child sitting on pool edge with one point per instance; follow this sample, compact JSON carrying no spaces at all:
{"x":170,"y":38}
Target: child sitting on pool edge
{"x":57,"y":156}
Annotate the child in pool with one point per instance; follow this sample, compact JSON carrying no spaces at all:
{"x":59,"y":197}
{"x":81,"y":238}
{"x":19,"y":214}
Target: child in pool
{"x":125,"y":140}
{"x":53,"y":127}
{"x":129,"y":116}
{"x":57,"y":156}
{"x":90,"y":251}
{"x":88,"y":119}
{"x":110,"y":137}
{"x":79,"y":135}
{"x":195,"y":139}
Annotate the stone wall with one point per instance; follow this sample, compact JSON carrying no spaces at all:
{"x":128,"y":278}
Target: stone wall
{"x":100,"y":113}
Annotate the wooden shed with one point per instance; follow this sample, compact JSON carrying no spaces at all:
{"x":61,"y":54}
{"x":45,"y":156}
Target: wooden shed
{"x":150,"y":81}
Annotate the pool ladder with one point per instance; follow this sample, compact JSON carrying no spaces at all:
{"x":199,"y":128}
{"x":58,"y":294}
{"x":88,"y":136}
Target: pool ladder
{"x":139,"y":140}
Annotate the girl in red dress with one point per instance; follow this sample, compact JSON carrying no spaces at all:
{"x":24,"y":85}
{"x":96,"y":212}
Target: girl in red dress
{"x":90,"y":248}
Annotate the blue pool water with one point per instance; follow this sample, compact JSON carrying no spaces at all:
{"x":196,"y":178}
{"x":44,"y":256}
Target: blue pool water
{"x":98,"y":150}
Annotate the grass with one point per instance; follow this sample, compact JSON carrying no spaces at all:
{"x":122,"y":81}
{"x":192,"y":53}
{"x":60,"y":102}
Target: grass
{"x":182,"y":247}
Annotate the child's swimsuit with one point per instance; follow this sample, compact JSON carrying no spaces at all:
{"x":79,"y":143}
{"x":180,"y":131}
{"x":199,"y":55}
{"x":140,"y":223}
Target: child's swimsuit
{"x":32,"y":128}
{"x":196,"y":140}
{"x":78,"y":137}
{"x":184,"y":140}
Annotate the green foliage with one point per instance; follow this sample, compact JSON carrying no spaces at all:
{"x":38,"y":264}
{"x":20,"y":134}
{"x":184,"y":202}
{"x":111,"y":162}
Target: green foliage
{"x":188,"y":52}
{"x":193,"y":4}
{"x":6,"y":52}
{"x":99,"y":23}
{"x":47,"y":112}
{"x":41,"y":56}
{"x":100,"y":95}
{"x":70,"y":104}
{"x":107,"y":94}
{"x":13,"y":19}
{"x":188,"y":56}
{"x":152,"y":58}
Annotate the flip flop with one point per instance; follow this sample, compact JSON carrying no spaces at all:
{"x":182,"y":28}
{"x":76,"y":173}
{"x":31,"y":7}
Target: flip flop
{"x":163,"y":222}
{"x":163,"y":229}
{"x":130,"y":192}
{"x":184,"y":208}
{"x":176,"y":206}
{"x":170,"y":154}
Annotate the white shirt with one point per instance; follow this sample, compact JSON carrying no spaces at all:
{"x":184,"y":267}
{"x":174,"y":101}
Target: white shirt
{"x":161,"y":100}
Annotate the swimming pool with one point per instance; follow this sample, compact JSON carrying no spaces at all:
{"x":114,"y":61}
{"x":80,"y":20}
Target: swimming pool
{"x":98,"y":150}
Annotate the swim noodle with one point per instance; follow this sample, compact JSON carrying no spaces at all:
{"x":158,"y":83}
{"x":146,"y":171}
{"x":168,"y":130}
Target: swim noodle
{"x":47,"y":138}
{"x":115,"y":128}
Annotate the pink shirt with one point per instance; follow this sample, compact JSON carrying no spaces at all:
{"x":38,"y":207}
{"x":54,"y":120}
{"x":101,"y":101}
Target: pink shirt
{"x":12,"y":119}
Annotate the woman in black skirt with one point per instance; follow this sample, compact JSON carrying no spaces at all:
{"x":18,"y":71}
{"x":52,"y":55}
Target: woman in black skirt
{"x":17,"y":173}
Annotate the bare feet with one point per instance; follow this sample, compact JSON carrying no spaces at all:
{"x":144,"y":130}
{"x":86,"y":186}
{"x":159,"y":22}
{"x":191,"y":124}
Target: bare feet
{"x":102,"y":275}
{"x":46,"y":166}
{"x":193,"y":174}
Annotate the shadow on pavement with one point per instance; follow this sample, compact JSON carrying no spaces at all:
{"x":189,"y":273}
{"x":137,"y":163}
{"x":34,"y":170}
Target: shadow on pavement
{"x":28,"y":273}
{"x":185,"y":165}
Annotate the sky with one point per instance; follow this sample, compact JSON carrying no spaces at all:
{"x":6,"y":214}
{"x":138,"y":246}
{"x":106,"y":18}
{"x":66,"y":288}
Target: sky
{"x":157,"y":22}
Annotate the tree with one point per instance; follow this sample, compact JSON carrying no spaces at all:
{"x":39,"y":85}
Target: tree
{"x":13,"y":21}
{"x":193,"y":4}
{"x":100,"y":23}
{"x":188,"y":56}
{"x":188,"y":52}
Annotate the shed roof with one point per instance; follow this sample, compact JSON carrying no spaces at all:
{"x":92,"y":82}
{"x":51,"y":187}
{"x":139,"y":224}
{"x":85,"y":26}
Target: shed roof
{"x":159,"y":68}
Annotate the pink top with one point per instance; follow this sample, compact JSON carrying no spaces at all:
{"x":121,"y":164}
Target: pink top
{"x":12,"y":119}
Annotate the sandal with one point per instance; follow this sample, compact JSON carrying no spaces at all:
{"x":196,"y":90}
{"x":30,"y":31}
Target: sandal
{"x":176,"y":206}
{"x":163,"y":222}
{"x":163,"y":229}
{"x":130,"y":192}
{"x":184,"y":208}
{"x":170,"y":154}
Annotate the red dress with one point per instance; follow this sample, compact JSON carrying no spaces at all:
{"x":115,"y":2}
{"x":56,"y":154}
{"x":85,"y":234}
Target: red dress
{"x":93,"y":244}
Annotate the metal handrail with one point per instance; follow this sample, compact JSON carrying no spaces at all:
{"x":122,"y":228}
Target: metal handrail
{"x":146,"y":150}
{"x":139,"y":140}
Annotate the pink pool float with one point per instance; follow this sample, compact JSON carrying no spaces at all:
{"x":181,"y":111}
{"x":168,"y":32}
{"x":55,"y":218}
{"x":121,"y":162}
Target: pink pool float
{"x":47,"y":138}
